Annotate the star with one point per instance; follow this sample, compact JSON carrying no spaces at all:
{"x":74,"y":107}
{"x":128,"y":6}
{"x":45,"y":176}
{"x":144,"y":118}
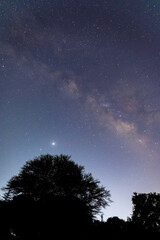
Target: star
{"x":53,"y":143}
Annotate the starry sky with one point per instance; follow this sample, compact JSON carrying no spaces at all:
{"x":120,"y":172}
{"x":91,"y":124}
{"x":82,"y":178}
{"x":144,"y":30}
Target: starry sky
{"x":82,"y":77}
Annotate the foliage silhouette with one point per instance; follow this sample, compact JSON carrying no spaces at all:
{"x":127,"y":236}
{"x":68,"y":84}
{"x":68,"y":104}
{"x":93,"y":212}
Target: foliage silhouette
{"x":50,"y":217}
{"x":115,"y":223}
{"x":52,"y":197}
{"x":146,"y":210}
{"x":58,"y":176}
{"x":46,"y":218}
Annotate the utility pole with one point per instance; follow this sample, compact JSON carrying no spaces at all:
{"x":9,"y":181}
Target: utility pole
{"x":102,"y":217}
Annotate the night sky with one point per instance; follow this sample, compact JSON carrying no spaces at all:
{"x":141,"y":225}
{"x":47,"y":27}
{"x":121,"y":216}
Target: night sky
{"x":82,"y":77}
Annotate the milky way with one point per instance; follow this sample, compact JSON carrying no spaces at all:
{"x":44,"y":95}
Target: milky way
{"x":86,"y":75}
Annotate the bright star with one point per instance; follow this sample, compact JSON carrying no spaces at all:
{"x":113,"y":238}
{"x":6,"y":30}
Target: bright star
{"x":53,"y":143}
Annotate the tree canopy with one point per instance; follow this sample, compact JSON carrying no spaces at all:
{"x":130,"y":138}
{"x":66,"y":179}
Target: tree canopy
{"x":146,"y":210}
{"x":58,"y":176}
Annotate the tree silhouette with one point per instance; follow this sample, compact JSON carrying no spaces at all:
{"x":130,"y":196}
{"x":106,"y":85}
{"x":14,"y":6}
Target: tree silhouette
{"x":146,"y":210}
{"x":115,"y":224}
{"x":58,"y":176}
{"x":25,"y":218}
